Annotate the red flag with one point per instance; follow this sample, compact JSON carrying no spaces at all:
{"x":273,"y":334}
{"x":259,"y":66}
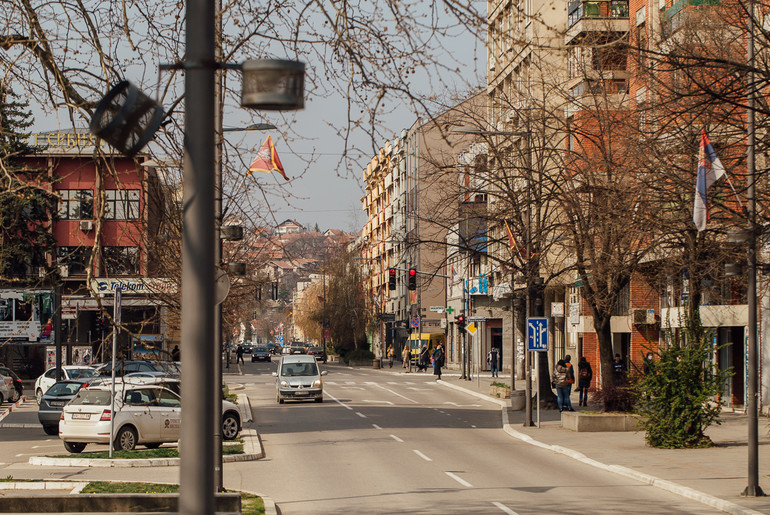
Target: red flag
{"x":267,"y":160}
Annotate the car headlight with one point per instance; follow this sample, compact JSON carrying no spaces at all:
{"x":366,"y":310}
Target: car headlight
{"x":317,"y":383}
{"x":284,"y":384}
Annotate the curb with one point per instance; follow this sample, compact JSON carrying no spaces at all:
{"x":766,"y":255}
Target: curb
{"x":7,"y":411}
{"x":252,"y":450}
{"x":683,"y":491}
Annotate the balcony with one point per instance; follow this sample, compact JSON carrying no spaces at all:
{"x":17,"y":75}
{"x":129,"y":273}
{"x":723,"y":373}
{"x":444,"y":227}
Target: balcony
{"x":675,"y":14}
{"x":598,"y":18}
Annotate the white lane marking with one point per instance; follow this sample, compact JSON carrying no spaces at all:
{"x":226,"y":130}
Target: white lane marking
{"x":376,"y":427}
{"x":350,"y":382}
{"x":399,"y":440}
{"x":414,"y":389}
{"x":463,"y":405}
{"x":504,"y":508}
{"x":378,"y":402}
{"x":393,"y":382}
{"x":421,"y":455}
{"x":473,"y":426}
{"x":360,"y":414}
{"x":351,"y":387}
{"x":459,"y":479}
{"x":397,"y":394}
{"x":335,"y":399}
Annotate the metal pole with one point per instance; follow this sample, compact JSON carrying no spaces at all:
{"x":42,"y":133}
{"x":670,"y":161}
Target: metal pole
{"x":196,"y":492}
{"x":752,"y":489}
{"x":57,"y":328}
{"x":528,"y":280}
{"x":513,"y":338}
{"x":116,"y":320}
{"x":218,"y":153}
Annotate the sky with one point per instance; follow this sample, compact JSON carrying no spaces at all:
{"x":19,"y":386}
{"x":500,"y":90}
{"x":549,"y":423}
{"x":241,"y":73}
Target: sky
{"x":323,"y":190}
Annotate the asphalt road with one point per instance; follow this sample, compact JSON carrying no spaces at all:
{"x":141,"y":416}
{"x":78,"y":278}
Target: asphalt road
{"x":386,"y":442}
{"x":382,"y":442}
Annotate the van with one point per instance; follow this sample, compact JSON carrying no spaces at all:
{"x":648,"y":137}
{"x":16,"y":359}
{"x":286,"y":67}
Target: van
{"x":298,"y":378}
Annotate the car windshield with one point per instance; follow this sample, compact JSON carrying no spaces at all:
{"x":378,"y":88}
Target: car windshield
{"x":77,"y":373}
{"x":260,"y":349}
{"x":64,"y":389}
{"x":91,"y":398}
{"x":299,"y":369}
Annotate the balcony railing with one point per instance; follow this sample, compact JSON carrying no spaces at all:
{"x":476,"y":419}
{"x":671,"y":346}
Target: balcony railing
{"x":673,"y":15}
{"x":597,"y":9}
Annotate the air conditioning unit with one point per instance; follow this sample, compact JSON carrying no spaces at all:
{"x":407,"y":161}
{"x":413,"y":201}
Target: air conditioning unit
{"x":86,"y":225}
{"x":64,"y":270}
{"x":643,"y":316}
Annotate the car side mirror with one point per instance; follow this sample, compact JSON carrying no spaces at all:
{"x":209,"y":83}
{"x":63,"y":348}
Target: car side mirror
{"x":324,"y":372}
{"x":275,"y":374}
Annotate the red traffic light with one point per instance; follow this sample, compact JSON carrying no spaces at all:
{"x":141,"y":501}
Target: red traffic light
{"x":392,"y":272}
{"x":392,"y":279}
{"x":412,"y":282}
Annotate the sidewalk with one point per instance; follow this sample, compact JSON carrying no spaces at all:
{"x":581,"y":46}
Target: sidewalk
{"x":712,"y":476}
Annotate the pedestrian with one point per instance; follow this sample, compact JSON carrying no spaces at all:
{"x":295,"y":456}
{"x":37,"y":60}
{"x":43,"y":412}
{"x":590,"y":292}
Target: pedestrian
{"x":175,"y":353}
{"x":239,"y":354}
{"x":585,"y":374}
{"x":438,"y":360}
{"x":424,"y":358}
{"x":406,"y":357}
{"x":647,"y":361}
{"x":562,"y":385}
{"x":619,"y":369}
{"x":492,"y":359}
{"x":390,"y":356}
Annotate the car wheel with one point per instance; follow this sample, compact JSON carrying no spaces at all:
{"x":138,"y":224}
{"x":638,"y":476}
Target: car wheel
{"x":75,"y":447}
{"x":39,"y":396}
{"x":15,"y":396}
{"x":230,"y":425}
{"x":51,"y":429}
{"x":126,"y":439}
{"x":319,"y":399}
{"x":152,"y":445}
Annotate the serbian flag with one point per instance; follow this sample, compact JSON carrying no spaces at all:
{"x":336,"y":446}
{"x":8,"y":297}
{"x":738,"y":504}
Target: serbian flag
{"x":710,"y":170}
{"x":267,"y":160}
{"x":453,"y":273}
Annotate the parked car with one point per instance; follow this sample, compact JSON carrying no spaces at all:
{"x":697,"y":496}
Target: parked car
{"x":298,"y":348}
{"x":273,"y":347}
{"x":148,"y":415}
{"x":318,"y":352}
{"x":298,"y":378}
{"x":53,"y":401}
{"x":260,"y":354}
{"x":124,"y":367}
{"x":7,"y":390}
{"x":247,"y":347}
{"x":47,"y":380}
{"x":18,"y":385}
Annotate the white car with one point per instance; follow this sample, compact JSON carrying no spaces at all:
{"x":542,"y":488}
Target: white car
{"x":145,"y":414}
{"x":47,"y":380}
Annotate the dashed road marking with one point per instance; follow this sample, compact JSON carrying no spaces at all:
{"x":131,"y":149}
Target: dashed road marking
{"x":421,"y":455}
{"x":376,"y":427}
{"x":399,"y":440}
{"x":335,"y":399}
{"x":459,"y":479}
{"x":360,"y":414}
{"x":504,"y":508}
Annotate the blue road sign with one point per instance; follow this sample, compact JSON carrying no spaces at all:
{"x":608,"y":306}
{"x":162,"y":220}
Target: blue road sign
{"x":537,"y":334}
{"x":416,"y":322}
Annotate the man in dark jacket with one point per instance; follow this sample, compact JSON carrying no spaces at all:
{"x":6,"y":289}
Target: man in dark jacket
{"x":585,"y":374}
{"x":438,"y":360}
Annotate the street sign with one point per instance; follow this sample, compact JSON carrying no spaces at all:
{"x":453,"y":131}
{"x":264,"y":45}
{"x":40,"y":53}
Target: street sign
{"x":471,"y":328}
{"x":388,"y":317}
{"x":537,"y":334}
{"x":415,"y":322}
{"x":478,"y":320}
{"x":437,"y":309}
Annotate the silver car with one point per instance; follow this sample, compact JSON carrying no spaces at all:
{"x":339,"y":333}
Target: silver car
{"x":298,"y":378}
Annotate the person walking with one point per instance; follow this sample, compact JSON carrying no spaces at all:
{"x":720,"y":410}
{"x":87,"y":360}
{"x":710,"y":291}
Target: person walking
{"x":424,"y":358}
{"x":390,"y":356}
{"x":585,"y":374}
{"x":619,"y":370}
{"x":239,"y":354}
{"x":492,"y":358}
{"x":175,"y":353}
{"x":438,"y":361}
{"x":563,"y":386}
{"x":406,"y":357}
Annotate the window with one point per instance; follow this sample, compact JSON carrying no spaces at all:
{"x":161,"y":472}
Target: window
{"x":76,"y":204}
{"x":75,"y":257}
{"x":121,"y":260}
{"x":121,"y":205}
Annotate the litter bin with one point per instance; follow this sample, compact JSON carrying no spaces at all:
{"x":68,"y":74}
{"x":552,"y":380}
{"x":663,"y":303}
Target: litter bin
{"x":376,"y":363}
{"x":517,"y":400}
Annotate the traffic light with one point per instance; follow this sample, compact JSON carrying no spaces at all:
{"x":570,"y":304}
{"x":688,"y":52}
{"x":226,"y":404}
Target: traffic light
{"x":460,"y":322}
{"x":412,"y":279}
{"x":392,"y":279}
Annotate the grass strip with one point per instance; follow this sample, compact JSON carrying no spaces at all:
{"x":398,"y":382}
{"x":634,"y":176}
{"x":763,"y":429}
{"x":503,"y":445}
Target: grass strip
{"x":250,"y":504}
{"x":139,"y":454}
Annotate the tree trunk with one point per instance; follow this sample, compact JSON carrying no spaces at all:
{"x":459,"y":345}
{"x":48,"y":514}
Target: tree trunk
{"x":606,"y":358}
